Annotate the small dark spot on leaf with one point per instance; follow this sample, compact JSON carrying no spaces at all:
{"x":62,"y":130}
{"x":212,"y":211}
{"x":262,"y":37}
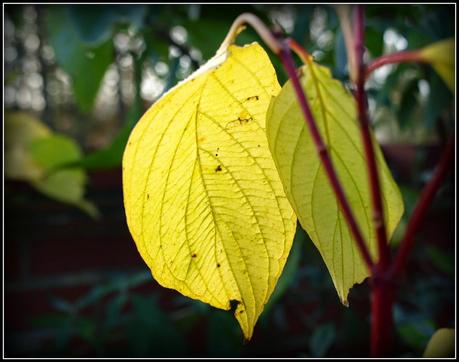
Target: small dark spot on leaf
{"x":218,"y":169}
{"x":241,"y":311}
{"x":218,"y":265}
{"x":233,"y":304}
{"x":253,"y":98}
{"x":194,"y":255}
{"x":244,"y":120}
{"x":258,"y":145}
{"x":148,"y":196}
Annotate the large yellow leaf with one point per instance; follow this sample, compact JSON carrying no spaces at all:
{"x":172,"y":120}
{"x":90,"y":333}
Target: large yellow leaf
{"x":203,"y":199}
{"x":305,"y":181}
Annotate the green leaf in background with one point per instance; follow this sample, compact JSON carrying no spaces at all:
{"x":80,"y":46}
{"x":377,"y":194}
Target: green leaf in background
{"x":223,"y":335}
{"x":322,"y":339}
{"x":408,"y":103}
{"x":439,"y":100}
{"x":340,"y":56}
{"x":151,"y":333}
{"x":441,"y":345}
{"x":53,"y":150}
{"x":85,"y":64}
{"x":95,"y":23}
{"x":304,"y":178}
{"x":111,"y":155}
{"x":301,"y":27}
{"x":34,"y":154}
{"x":20,"y":130}
{"x":442,"y":260}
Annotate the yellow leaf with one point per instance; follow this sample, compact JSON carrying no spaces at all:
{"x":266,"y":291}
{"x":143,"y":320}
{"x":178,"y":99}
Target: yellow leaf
{"x":441,"y":344}
{"x":441,"y":55}
{"x":202,"y":196}
{"x":306,"y":184}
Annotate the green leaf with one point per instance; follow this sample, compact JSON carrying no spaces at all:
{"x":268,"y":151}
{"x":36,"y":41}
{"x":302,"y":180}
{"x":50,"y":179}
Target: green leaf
{"x":203,"y":200}
{"x":111,"y":156}
{"x":150,"y":331}
{"x":408,"y":103}
{"x":20,"y":130}
{"x":54,"y":150}
{"x":439,"y":100}
{"x":85,"y":64}
{"x":306,"y":184}
{"x":441,"y":345}
{"x":95,"y":23}
{"x":34,"y":154}
{"x":322,"y":339}
{"x":443,"y":261}
{"x":223,"y":335}
{"x":340,"y":55}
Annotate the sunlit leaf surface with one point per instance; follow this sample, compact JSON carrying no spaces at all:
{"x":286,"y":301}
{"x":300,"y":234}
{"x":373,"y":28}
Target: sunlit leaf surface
{"x":306,"y":184}
{"x":203,"y":199}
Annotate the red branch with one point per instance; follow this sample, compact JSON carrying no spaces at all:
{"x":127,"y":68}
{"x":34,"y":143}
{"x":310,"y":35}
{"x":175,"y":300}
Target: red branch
{"x":381,"y":290}
{"x":378,"y":214}
{"x":322,"y":151}
{"x":421,"y":208}
{"x":401,"y":57}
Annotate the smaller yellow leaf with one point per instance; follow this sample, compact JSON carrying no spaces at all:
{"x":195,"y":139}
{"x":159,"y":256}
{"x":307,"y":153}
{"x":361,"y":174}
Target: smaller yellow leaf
{"x":305,"y":181}
{"x":441,"y":344}
{"x":441,"y":56}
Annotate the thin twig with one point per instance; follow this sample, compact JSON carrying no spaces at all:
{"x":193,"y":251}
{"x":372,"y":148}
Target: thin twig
{"x":254,"y":21}
{"x":322,"y":151}
{"x":378,"y":214}
{"x":421,"y":208}
{"x":400,"y":57}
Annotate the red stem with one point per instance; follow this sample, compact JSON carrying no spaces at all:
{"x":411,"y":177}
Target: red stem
{"x":381,"y":290}
{"x":322,"y":151}
{"x":382,"y":299}
{"x":401,"y":57}
{"x":421,"y":208}
{"x":378,"y":214}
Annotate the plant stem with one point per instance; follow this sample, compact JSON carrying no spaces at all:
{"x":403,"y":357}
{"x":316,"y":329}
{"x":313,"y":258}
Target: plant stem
{"x":401,"y":57}
{"x":378,"y":214}
{"x":382,"y":291}
{"x":420,"y":209}
{"x":322,"y":151}
{"x":260,"y":27}
{"x":283,"y":51}
{"x":382,"y":299}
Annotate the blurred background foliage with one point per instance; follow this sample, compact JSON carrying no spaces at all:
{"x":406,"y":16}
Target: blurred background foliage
{"x":78,"y":78}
